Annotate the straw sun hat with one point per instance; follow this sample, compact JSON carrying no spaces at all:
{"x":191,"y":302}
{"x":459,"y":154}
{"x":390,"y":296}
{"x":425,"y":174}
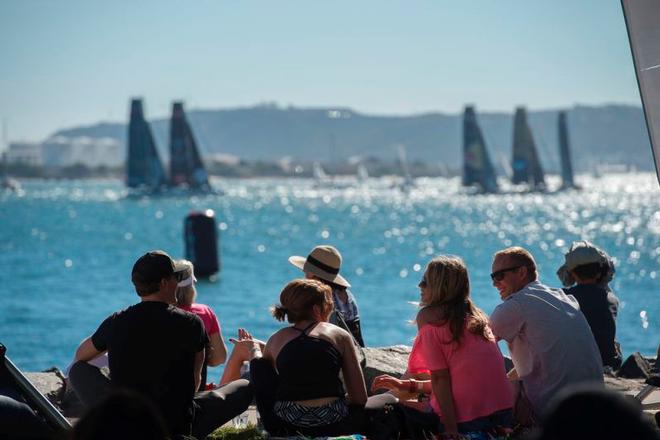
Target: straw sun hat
{"x":583,"y":252}
{"x":324,"y":262}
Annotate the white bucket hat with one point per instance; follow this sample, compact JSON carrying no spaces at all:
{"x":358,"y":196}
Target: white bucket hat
{"x":324,"y":262}
{"x":584,"y":252}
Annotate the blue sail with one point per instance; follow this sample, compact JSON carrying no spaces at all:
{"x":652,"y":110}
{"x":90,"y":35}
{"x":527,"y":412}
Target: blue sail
{"x":526,"y":165}
{"x":564,"y":153}
{"x":143,"y":166}
{"x":186,"y":166}
{"x":477,"y":167}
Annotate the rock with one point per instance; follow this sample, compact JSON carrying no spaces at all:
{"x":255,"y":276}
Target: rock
{"x":635,"y":367}
{"x":385,"y":360}
{"x":50,"y":384}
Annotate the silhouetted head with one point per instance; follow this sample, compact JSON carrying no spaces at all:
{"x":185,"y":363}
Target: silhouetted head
{"x":153,"y":272}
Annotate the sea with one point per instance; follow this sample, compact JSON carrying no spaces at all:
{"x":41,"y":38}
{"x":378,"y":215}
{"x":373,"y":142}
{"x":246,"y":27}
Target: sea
{"x":67,"y":248}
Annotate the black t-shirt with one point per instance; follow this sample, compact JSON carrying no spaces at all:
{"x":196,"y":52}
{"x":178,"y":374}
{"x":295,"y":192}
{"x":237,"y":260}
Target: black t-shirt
{"x":600,"y":307}
{"x":151,"y":349}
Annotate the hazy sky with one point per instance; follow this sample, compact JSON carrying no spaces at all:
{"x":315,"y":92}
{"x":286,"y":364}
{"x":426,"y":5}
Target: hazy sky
{"x":66,"y":63}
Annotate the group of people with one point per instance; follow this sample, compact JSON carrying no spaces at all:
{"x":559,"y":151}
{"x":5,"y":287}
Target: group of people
{"x":307,"y":378}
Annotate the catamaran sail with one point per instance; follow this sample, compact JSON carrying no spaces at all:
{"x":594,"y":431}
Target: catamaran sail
{"x":477,"y":167}
{"x":526,"y":165}
{"x":564,"y":154}
{"x":408,"y":181}
{"x":186,"y":166}
{"x":144,"y":168}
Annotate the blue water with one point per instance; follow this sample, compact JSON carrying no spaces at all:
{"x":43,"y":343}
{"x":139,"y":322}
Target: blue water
{"x":67,"y":248}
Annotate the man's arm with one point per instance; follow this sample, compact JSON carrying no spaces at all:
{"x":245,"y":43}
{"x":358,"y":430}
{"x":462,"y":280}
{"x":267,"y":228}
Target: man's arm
{"x":507,"y":320}
{"x":86,"y":351}
{"x":197,"y":370}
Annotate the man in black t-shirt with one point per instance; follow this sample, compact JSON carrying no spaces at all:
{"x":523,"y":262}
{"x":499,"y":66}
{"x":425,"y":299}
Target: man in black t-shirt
{"x":157,"y":349}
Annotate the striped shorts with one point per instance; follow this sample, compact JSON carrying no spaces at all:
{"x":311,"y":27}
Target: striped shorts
{"x":311,"y":416}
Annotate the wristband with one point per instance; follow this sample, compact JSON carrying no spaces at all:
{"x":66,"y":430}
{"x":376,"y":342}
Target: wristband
{"x":411,"y":385}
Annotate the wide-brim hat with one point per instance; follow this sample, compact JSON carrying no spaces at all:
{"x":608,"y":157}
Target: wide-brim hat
{"x":580,"y":253}
{"x":324,"y":262}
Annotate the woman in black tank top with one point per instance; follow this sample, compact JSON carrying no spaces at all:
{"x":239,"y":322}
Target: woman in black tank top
{"x":296,"y":379}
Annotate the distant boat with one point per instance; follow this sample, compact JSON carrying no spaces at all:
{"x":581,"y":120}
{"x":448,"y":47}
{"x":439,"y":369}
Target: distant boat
{"x":567,"y":180}
{"x":477,"y":167}
{"x":186,"y":166}
{"x":525,"y":163}
{"x":408,"y":181}
{"x":362,"y":173}
{"x":319,"y":174}
{"x":143,"y":166}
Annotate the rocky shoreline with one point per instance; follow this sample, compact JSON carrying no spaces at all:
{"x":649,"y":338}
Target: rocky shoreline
{"x":637,"y":375}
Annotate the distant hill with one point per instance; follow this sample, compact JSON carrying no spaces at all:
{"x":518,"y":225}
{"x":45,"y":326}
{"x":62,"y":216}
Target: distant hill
{"x":610,"y":134}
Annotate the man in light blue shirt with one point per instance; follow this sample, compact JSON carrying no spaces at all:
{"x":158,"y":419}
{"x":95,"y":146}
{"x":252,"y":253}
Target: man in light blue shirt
{"x":549,"y":339}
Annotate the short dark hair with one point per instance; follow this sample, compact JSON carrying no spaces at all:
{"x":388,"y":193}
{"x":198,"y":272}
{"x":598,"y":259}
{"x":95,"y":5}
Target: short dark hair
{"x":149,"y":270}
{"x":591,"y":270}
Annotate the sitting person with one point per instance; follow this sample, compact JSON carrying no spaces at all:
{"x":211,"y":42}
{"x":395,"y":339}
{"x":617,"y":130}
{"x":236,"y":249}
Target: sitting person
{"x":589,"y":270}
{"x":548,"y":337}
{"x":323,"y":264}
{"x":296,"y":380}
{"x":468,"y":387}
{"x":216,"y":351}
{"x":157,"y":350}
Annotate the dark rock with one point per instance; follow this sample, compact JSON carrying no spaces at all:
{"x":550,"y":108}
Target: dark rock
{"x":635,"y":367}
{"x":654,"y":380}
{"x":385,"y":360}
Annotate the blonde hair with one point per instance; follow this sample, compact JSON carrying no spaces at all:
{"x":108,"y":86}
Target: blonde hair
{"x":520,"y":257}
{"x":186,"y":295}
{"x":298,"y":299}
{"x":448,"y":285}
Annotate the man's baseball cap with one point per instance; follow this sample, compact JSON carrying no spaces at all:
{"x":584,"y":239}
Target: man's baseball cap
{"x":152,"y":267}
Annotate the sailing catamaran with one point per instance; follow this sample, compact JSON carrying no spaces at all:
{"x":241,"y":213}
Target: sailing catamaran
{"x":526,"y":165}
{"x":146,"y":173}
{"x":186,"y":166}
{"x":567,"y":180}
{"x":477,"y":167}
{"x":143,"y":166}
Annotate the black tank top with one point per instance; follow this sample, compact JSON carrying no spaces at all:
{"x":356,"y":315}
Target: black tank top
{"x":309,"y":368}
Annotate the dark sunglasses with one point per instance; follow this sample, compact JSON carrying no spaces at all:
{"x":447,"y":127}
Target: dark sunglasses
{"x":423,"y":283}
{"x":179,"y":276}
{"x":499,"y":274}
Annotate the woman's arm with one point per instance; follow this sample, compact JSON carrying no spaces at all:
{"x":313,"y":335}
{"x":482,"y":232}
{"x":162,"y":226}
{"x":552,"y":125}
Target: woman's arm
{"x":441,"y":383}
{"x":355,"y":387}
{"x":217,"y":353}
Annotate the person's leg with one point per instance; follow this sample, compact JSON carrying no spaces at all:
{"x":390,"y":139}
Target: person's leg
{"x":19,"y":421}
{"x":215,"y":408}
{"x":420,"y":424}
{"x":89,"y":383}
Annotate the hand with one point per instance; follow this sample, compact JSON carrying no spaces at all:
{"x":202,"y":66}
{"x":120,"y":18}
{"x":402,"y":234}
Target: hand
{"x":387,"y":382}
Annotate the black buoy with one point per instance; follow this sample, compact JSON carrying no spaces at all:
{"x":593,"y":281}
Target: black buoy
{"x":201,"y":237}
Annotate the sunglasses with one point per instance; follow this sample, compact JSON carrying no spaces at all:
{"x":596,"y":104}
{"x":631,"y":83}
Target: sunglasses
{"x":498,"y":275}
{"x":423,"y":283}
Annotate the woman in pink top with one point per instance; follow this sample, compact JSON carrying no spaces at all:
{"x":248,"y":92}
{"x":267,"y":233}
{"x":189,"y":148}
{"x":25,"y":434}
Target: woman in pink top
{"x":216,"y":351}
{"x":469,"y":388}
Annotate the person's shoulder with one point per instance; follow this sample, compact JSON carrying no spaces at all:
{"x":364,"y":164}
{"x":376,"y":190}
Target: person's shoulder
{"x":184,"y":316}
{"x":203,"y":309}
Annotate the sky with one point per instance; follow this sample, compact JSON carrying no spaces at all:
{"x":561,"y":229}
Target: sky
{"x":67,"y":63}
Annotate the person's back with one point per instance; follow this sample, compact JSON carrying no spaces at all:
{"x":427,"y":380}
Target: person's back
{"x":551,"y":343}
{"x":597,"y":305}
{"x":152,"y":348}
{"x":309,"y":368}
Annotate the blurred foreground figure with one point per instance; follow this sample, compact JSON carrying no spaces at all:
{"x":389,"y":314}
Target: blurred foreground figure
{"x":592,"y":413}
